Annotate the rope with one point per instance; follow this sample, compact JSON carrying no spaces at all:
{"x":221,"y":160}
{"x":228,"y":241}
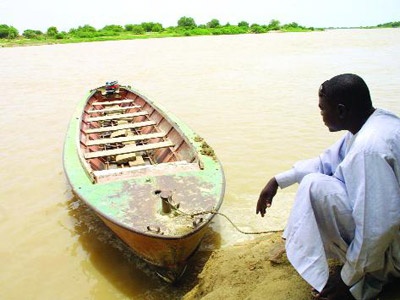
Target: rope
{"x":214,"y":212}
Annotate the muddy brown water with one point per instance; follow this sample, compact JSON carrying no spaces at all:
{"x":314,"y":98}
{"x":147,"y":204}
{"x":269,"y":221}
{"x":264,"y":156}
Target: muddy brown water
{"x":252,"y":97}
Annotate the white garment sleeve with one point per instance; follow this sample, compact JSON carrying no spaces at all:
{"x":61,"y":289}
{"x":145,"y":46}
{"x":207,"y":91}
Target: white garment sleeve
{"x":326,"y":163}
{"x":374,"y":189}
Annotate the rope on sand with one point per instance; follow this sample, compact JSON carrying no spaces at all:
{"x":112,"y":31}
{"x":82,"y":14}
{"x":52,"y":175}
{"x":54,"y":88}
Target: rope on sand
{"x":214,"y":212}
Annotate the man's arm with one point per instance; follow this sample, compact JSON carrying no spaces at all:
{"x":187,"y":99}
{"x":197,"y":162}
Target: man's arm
{"x":325,"y":163}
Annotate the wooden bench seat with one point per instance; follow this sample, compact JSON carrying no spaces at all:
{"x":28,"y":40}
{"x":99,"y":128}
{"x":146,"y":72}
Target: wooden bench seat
{"x":139,"y":137}
{"x":112,"y":109}
{"x":128,"y":149}
{"x":118,"y":116}
{"x":113,"y":102}
{"x":119,"y":127}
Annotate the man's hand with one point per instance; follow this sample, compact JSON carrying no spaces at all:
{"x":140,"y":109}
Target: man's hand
{"x":266,"y":196}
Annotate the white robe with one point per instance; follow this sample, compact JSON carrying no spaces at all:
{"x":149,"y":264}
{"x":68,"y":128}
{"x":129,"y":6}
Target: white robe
{"x":348,"y":207}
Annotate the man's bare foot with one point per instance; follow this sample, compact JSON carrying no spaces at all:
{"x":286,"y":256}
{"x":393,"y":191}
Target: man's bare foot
{"x":277,"y":252}
{"x":335,"y":288}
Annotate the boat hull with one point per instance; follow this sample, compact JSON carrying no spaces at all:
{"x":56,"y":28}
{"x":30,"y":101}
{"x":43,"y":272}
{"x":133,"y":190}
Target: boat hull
{"x":171,"y":255}
{"x":165,"y":231}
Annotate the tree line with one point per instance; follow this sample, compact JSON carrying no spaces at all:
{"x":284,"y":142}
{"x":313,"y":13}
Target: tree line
{"x":185,"y":26}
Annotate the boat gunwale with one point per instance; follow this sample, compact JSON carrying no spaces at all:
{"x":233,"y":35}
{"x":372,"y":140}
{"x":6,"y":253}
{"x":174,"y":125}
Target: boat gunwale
{"x":164,"y":113}
{"x":187,"y":135}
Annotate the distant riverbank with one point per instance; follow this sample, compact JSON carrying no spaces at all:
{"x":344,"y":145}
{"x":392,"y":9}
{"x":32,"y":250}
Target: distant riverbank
{"x":10,"y":37}
{"x":21,"y":41}
{"x":186,"y":26}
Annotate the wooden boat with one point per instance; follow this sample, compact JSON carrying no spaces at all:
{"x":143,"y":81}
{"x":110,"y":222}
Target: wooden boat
{"x":146,"y":174}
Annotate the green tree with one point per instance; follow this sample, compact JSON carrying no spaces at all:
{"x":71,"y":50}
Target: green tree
{"x":52,"y":31}
{"x":292,"y":25}
{"x":86,"y":31}
{"x":389,"y":25}
{"x":8,"y":32}
{"x":274,"y":25}
{"x":255,"y":28}
{"x":243,"y":24}
{"x":229,"y":30}
{"x":61,"y":35}
{"x":147,"y":26}
{"x":395,"y":24}
{"x":87,"y":28}
{"x":152,"y":27}
{"x":113,"y":28}
{"x":32,"y":34}
{"x":135,"y":29}
{"x":214,"y":23}
{"x":187,"y":23}
{"x":157,"y":27}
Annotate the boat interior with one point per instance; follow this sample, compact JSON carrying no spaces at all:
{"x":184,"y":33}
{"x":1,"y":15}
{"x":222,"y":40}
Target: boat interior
{"x":121,"y":132}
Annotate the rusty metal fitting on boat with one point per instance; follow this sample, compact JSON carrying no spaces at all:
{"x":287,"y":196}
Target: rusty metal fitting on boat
{"x":197,"y":222}
{"x":166,"y":201}
{"x":154,"y":229}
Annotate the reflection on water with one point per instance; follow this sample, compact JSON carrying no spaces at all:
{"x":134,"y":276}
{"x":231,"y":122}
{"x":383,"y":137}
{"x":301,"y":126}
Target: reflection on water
{"x":120,"y":266}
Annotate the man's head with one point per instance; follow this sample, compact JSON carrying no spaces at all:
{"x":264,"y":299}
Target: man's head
{"x":345,"y":102}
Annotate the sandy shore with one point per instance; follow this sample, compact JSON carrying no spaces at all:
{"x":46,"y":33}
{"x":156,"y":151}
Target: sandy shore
{"x":245,"y":271}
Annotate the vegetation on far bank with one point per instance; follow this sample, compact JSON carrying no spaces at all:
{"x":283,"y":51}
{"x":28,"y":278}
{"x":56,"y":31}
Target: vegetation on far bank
{"x":186,"y":26}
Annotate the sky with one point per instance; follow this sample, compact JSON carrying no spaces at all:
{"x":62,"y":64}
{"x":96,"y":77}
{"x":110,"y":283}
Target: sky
{"x":68,"y":14}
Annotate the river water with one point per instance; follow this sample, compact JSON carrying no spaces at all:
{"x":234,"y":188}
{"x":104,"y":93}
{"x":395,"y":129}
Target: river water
{"x":252,"y":97}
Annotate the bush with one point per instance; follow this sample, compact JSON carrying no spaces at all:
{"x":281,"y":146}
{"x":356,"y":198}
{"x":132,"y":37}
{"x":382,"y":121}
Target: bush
{"x":157,"y":28}
{"x":86,"y":28}
{"x":255,"y":28}
{"x":85,"y":34}
{"x":113,"y":28}
{"x":136,"y":29}
{"x":106,"y":33}
{"x":294,"y":27}
{"x":214,"y":23}
{"x":32,"y":34}
{"x":52,"y":31}
{"x":229,"y":30}
{"x":8,"y":32}
{"x":198,"y":31}
{"x":187,"y":23}
{"x":390,"y":25}
{"x":152,"y":27}
{"x":243,"y":24}
{"x":85,"y":31}
{"x":274,"y":25}
{"x":61,"y":35}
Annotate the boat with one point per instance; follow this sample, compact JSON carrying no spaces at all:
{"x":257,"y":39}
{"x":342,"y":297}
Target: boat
{"x":147,"y":175}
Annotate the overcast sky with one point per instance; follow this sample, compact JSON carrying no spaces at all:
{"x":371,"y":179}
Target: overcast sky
{"x":67,"y":14}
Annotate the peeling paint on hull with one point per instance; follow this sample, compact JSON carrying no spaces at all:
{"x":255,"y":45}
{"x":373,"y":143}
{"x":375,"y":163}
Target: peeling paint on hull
{"x":160,"y":153}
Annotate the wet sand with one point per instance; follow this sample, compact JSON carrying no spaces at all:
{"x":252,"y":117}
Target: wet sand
{"x":245,"y":271}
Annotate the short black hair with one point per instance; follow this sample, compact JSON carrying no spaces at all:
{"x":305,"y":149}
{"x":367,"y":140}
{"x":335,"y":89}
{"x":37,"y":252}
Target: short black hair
{"x":347,"y":89}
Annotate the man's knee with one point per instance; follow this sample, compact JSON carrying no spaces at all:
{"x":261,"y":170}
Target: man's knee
{"x":321,"y":186}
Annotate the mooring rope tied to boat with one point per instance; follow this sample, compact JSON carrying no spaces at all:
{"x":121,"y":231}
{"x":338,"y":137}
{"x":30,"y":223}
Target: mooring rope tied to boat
{"x":227,"y":218}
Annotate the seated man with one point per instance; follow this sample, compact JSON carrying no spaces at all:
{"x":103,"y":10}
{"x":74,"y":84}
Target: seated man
{"x":348,"y":202}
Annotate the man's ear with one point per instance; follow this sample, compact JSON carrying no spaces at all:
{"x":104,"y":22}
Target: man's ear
{"x":342,"y":111}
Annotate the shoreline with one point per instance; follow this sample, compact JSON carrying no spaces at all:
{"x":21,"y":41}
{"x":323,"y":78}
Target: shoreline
{"x":253,"y":270}
{"x":250,"y":270}
{"x":25,"y":42}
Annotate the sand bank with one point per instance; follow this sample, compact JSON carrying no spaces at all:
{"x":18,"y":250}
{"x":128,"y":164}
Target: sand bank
{"x":245,"y":271}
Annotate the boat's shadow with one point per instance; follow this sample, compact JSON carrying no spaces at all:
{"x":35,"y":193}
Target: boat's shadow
{"x":122,"y":268}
